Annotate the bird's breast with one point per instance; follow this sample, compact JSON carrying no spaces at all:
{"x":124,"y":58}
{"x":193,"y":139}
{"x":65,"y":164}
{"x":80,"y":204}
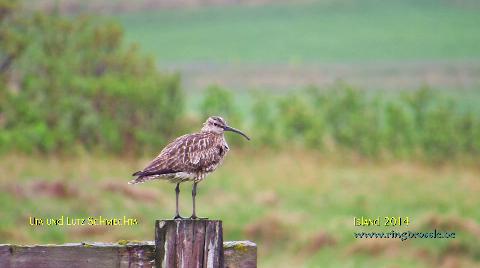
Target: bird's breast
{"x":222,"y":150}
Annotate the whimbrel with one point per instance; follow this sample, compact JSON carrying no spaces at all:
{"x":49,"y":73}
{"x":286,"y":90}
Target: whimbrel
{"x":190,"y":157}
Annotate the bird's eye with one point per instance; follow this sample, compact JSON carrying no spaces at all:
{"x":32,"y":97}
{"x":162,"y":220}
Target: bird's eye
{"x":215,"y":124}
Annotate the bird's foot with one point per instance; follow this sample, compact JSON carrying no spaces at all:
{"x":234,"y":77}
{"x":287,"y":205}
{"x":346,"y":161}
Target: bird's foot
{"x":178,"y":217}
{"x":194,"y":217}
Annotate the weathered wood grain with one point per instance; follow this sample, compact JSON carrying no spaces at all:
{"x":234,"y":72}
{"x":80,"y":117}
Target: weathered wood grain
{"x":189,"y":243}
{"x":237,"y":254}
{"x":198,"y":248}
{"x":240,"y":254}
{"x":78,"y":255}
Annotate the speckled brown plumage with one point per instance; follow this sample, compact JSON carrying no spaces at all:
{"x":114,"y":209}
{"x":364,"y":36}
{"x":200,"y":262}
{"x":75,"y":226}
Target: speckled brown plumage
{"x":190,"y":157}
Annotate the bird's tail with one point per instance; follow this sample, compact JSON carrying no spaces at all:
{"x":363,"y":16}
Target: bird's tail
{"x":137,"y":180}
{"x":140,"y":179}
{"x":138,"y":173}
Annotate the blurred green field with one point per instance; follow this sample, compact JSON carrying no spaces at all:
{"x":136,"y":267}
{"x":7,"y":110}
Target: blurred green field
{"x":327,"y":31}
{"x":297,"y":205}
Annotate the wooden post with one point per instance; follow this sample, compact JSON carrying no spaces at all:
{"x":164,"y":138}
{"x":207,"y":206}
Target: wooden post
{"x":189,"y":243}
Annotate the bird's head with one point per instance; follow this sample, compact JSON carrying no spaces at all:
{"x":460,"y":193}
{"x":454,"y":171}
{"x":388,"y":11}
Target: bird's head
{"x":218,"y":125}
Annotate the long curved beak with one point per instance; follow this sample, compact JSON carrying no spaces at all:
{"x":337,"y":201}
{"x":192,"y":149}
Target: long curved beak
{"x":227,"y":128}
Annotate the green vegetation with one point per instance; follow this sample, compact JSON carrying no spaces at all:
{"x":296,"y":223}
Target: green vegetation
{"x":72,"y":83}
{"x":421,"y":124}
{"x":297,"y":205}
{"x":68,"y":81}
{"x":310,"y":32}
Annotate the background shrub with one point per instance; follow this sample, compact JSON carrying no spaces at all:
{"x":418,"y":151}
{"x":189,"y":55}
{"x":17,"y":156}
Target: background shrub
{"x":74,"y":81}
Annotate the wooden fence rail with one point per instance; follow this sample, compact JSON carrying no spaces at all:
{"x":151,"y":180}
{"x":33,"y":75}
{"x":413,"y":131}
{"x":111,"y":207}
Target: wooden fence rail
{"x":235,"y":254}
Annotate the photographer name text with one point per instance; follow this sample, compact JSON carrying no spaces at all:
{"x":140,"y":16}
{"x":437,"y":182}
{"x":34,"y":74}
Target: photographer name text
{"x":79,"y":221}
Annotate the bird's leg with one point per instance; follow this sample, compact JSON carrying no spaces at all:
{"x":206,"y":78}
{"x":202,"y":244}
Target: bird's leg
{"x":194,"y":194}
{"x":177,"y":193}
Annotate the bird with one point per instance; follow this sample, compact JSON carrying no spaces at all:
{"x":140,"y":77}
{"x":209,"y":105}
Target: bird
{"x":190,"y":157}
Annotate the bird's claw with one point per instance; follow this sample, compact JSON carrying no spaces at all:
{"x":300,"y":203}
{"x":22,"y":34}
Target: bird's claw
{"x":178,"y":217}
{"x":194,"y":217}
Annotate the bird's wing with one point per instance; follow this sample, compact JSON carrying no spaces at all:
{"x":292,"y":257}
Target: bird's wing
{"x":203,"y":152}
{"x":187,"y":153}
{"x":165,"y":162}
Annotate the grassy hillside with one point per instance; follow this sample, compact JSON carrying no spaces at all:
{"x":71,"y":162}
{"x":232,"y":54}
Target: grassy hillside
{"x":319,"y":31}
